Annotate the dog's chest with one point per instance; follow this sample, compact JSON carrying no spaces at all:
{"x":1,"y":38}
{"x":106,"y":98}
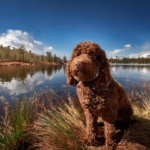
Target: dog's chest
{"x":92,"y":98}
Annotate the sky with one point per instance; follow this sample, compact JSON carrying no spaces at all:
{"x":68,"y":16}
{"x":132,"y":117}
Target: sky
{"x":120,"y":27}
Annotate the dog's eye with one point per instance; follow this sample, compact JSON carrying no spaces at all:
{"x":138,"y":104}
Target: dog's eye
{"x":89,"y":56}
{"x":98,"y":57}
{"x":92,"y":57}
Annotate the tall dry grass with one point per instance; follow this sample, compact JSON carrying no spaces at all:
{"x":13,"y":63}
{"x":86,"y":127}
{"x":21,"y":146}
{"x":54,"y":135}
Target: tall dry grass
{"x":138,"y":135}
{"x":50,"y":121}
{"x":60,"y":128}
{"x":44,"y":122}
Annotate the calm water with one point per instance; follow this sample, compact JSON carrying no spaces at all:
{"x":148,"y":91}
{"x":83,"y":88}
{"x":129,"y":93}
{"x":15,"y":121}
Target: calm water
{"x":27,"y":80}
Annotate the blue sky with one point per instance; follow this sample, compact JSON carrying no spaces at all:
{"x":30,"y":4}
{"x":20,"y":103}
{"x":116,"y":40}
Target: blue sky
{"x":120,"y":27}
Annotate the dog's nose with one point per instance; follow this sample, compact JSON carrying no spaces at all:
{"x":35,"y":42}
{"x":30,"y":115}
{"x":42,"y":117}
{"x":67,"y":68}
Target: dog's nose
{"x":78,"y":64}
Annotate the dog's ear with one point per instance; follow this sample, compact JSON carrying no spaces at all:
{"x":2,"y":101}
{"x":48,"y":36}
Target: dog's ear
{"x":104,"y":74}
{"x":70,"y":79}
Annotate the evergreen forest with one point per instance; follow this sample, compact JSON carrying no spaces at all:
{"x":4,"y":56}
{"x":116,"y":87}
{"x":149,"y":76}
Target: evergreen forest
{"x":22,"y":55}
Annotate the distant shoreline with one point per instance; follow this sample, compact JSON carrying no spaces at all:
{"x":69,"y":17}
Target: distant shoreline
{"x":120,"y":64}
{"x":21,"y":64}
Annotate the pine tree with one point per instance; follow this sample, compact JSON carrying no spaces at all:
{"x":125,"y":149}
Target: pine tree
{"x":64,"y":59}
{"x":55,"y":58}
{"x":49,"y":56}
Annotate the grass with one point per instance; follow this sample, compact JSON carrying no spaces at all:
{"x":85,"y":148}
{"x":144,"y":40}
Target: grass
{"x":15,"y":124}
{"x":61,"y":127}
{"x":138,"y":135}
{"x":50,"y":121}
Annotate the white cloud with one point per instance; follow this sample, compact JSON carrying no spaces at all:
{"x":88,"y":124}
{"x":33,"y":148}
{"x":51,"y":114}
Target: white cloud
{"x":127,"y":46}
{"x":136,"y":55}
{"x":117,"y":51}
{"x":16,"y":38}
{"x":141,"y":54}
{"x":145,"y":49}
{"x":146,"y":46}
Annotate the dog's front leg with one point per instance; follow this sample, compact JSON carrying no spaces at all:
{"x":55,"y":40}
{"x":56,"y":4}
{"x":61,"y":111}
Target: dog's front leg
{"x":91,"y":127}
{"x":110,"y":136}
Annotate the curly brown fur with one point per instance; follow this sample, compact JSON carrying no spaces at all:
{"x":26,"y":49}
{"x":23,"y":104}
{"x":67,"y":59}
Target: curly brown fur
{"x":99,"y":94}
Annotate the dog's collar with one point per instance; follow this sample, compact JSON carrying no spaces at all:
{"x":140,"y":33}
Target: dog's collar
{"x":107,"y":87}
{"x":92,"y":84}
{"x":102,"y":89}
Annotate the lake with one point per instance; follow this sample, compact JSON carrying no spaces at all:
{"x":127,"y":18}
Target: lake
{"x":27,"y":80}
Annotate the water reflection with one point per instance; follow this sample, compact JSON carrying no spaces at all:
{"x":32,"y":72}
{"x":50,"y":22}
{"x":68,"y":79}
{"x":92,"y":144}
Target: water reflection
{"x":7,"y":74}
{"x":128,"y":75}
{"x":140,"y":68}
{"x":19,"y":80}
{"x":22,"y":80}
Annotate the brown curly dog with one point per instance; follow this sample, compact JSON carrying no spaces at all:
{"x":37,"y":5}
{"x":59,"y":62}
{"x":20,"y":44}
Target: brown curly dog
{"x":99,"y":94}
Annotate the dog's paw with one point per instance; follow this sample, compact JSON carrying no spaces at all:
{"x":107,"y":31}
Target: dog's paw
{"x":111,"y":146}
{"x":94,"y":142}
{"x":100,"y":124}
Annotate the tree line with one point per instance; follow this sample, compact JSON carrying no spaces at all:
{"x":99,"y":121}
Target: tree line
{"x":21,"y":73}
{"x":130,"y":60}
{"x":22,"y":55}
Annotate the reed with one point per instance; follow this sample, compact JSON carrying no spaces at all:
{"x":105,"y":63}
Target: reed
{"x":60,"y":128}
{"x":16,"y":122}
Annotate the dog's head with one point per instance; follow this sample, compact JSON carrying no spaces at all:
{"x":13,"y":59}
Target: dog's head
{"x":88,"y":62}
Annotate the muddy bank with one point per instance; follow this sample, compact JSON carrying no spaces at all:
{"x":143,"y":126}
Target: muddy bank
{"x":14,"y":63}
